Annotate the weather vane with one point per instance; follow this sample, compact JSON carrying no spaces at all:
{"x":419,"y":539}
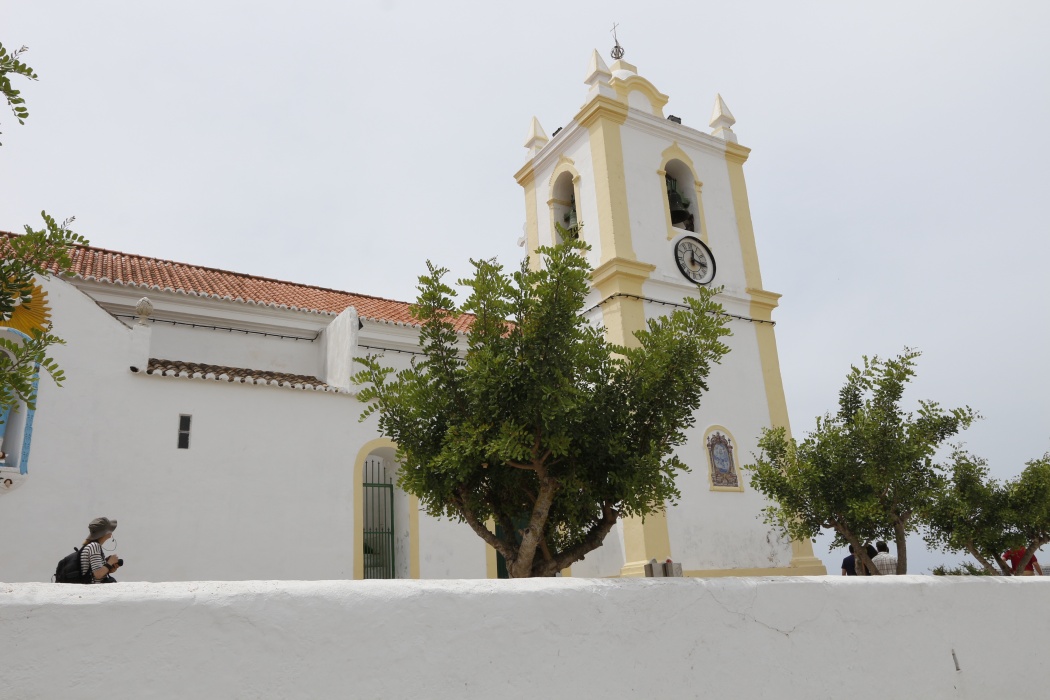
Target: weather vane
{"x":617,"y":52}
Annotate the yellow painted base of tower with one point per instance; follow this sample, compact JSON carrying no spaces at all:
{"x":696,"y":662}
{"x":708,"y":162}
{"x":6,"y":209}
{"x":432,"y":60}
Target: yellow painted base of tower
{"x":816,"y":569}
{"x":634,"y":569}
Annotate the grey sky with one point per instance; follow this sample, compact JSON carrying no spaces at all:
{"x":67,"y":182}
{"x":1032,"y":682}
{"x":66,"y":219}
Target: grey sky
{"x":898,"y":177}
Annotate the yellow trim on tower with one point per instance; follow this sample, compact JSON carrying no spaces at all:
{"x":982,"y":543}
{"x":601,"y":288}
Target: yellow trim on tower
{"x":359,"y":512}
{"x":736,"y":155}
{"x":675,"y":152}
{"x":413,"y":536}
{"x":532,"y":234}
{"x":643,"y":541}
{"x":602,"y":117}
{"x":565,"y":165}
{"x":620,"y":273}
{"x":803,"y":562}
{"x":793,"y":570}
{"x":636,"y":83}
{"x":491,"y":563}
{"x":622,"y":316}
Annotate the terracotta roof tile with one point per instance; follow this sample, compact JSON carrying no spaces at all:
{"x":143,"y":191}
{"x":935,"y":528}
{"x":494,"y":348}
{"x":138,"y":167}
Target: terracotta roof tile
{"x":98,"y":264}
{"x":242,"y":375}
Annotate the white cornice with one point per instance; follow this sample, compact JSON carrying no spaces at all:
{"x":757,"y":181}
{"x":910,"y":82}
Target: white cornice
{"x":666,"y":129}
{"x":556,"y":147}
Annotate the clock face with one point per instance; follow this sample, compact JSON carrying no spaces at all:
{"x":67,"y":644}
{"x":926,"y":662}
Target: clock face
{"x":694,"y":260}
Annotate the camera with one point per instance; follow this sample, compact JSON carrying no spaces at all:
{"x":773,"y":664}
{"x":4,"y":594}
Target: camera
{"x":120,"y":562}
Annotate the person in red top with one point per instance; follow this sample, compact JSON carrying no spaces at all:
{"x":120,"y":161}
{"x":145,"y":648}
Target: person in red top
{"x":1014,"y":557}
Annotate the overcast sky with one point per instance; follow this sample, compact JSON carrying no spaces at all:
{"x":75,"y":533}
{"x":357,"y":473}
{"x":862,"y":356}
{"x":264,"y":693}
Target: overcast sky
{"x":898,"y":178}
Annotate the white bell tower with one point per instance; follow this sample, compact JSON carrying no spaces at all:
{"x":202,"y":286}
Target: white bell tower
{"x":664,"y":206}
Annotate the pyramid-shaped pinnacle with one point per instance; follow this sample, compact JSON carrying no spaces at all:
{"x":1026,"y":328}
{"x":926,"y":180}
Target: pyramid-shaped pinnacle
{"x":721,"y":117}
{"x":536,"y":138}
{"x":597,"y":71}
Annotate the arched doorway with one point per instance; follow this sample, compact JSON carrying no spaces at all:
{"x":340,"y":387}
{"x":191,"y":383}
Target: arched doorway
{"x":386,"y":519}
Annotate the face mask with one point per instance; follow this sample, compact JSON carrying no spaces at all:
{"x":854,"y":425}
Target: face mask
{"x":112,"y":541}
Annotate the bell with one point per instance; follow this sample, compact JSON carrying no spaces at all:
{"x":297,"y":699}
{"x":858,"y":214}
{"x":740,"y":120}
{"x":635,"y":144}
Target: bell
{"x":679,"y":207}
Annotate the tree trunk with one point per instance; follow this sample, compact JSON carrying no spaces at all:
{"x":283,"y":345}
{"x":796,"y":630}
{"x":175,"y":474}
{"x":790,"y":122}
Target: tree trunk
{"x":860,"y":554}
{"x":1029,"y":554}
{"x":983,"y":562}
{"x":901,"y":538}
{"x":521,"y":567}
{"x":1003,"y":566}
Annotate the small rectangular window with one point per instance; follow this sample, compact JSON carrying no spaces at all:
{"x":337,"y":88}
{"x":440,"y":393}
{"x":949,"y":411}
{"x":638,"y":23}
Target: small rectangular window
{"x":184,"y":432}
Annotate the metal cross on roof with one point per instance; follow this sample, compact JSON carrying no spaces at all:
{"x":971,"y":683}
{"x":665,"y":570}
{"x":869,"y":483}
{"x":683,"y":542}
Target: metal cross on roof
{"x":617,"y":51}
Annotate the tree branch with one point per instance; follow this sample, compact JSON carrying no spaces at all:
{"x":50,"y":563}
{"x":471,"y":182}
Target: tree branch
{"x":977,"y":555}
{"x":519,"y":465}
{"x":590,"y":542}
{"x":482,"y":531}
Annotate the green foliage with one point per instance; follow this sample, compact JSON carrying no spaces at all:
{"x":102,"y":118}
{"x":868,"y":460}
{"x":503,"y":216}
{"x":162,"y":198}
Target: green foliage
{"x":538,"y":420}
{"x":38,"y":252}
{"x":970,"y":512}
{"x":979,"y":515}
{"x":10,"y":65}
{"x":866,"y":471}
{"x":967,"y":568}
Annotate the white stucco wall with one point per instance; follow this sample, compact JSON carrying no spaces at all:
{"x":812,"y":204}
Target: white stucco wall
{"x":897,"y":637}
{"x":232,"y":349}
{"x":265,"y":489}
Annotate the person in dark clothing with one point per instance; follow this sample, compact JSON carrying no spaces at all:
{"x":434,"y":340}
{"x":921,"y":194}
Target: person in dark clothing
{"x":849,"y":564}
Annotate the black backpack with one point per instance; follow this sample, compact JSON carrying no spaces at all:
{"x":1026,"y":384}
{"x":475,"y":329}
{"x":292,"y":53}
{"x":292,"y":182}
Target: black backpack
{"x":68,"y":569}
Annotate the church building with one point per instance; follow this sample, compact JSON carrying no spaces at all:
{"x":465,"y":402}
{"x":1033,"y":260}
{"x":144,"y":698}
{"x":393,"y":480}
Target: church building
{"x":212,"y":412}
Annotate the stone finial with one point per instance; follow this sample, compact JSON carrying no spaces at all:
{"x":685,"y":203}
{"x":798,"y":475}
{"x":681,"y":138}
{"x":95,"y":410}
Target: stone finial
{"x":597,"y":71}
{"x":143,"y":309}
{"x":722,"y":120}
{"x":598,"y":77}
{"x":536,"y":139}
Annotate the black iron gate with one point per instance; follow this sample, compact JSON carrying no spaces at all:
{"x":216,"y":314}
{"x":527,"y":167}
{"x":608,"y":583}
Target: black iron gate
{"x":378,"y":521}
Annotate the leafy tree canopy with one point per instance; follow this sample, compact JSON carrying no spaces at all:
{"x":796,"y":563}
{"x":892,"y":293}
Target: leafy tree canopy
{"x":865,"y":472}
{"x":11,"y":65}
{"x":984,"y":517}
{"x":536,"y":422}
{"x":36,"y":253}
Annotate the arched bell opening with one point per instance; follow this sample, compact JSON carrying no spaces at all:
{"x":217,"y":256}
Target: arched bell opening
{"x":681,"y":196}
{"x":563,"y":208}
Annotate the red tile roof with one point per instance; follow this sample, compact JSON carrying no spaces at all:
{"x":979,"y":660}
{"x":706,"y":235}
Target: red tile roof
{"x":100,"y":265}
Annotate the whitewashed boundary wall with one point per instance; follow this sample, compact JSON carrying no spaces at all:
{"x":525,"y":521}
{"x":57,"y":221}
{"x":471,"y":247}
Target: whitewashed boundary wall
{"x":561,"y":638}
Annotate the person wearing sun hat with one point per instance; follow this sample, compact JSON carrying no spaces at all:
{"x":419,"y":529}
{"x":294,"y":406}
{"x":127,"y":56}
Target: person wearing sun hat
{"x":99,"y":531}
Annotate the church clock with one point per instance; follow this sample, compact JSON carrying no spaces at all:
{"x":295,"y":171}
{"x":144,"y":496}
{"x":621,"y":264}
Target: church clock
{"x":694,"y":260}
